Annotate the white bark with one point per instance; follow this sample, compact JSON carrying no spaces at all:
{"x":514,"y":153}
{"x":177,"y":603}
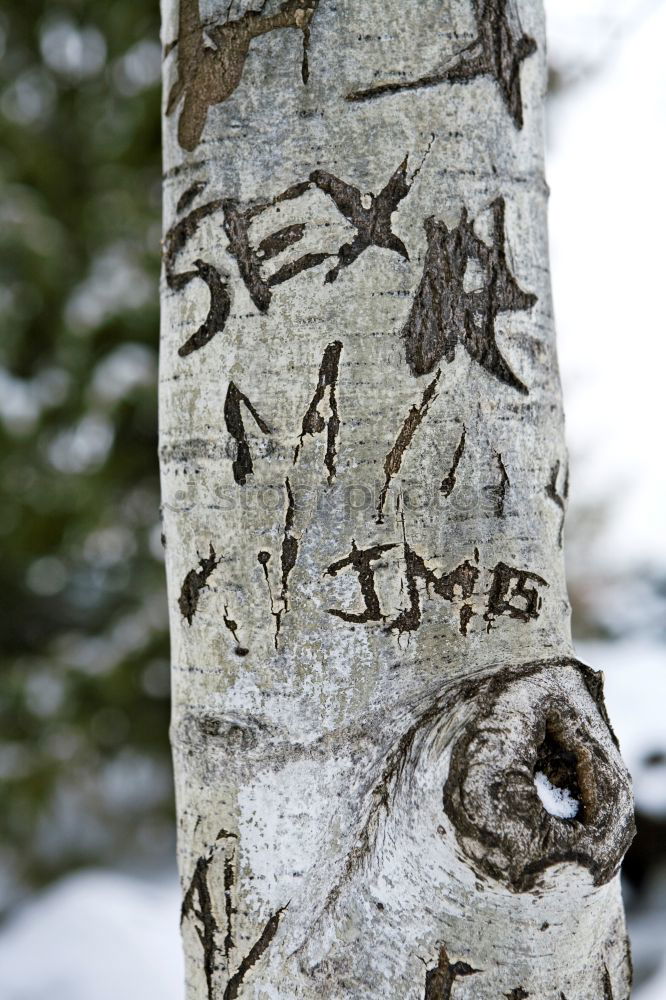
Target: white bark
{"x":363,"y":490}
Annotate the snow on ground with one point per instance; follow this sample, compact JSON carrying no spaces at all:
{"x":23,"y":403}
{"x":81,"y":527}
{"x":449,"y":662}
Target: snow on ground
{"x":96,"y":935}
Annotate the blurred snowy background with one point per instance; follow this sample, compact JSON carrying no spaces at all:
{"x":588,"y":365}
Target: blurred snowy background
{"x":87,"y":881}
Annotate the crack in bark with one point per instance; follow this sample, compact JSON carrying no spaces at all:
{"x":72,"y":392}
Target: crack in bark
{"x":594,"y":682}
{"x":206,"y":927}
{"x":444,"y":314}
{"x":412,"y":422}
{"x":518,"y":994}
{"x":559,"y":498}
{"x":288,"y":557}
{"x":242,"y":466}
{"x":439,"y":981}
{"x":313,"y":421}
{"x":209,"y":75}
{"x":229,"y":909}
{"x":499,"y":492}
{"x":360,"y":560}
{"x":608,"y":985}
{"x":232,"y":626}
{"x":372,"y":224}
{"x":289,"y":545}
{"x":449,"y":480}
{"x":218,"y":311}
{"x":495,"y":52}
{"x":254,"y":954}
{"x":194,"y":583}
{"x":263,"y":558}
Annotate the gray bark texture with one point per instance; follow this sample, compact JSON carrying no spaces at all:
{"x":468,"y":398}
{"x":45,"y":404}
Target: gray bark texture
{"x":394,"y":778}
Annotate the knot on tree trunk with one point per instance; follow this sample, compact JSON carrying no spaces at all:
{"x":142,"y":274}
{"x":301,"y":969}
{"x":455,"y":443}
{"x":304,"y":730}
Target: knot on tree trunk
{"x":536,"y":780}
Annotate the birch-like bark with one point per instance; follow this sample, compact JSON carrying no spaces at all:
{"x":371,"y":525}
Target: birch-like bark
{"x":394,"y":779}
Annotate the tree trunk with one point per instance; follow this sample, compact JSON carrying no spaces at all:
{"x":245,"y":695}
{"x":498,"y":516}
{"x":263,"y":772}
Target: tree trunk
{"x":394,"y":779}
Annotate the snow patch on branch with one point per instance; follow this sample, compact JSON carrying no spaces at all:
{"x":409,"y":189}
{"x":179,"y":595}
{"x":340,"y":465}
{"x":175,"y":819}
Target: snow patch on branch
{"x":556,"y":801}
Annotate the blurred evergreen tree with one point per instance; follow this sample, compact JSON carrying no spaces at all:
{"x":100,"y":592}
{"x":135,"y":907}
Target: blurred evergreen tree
{"x":84,"y":765}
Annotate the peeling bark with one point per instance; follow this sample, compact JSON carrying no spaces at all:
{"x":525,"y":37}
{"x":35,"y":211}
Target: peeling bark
{"x":368,"y":425}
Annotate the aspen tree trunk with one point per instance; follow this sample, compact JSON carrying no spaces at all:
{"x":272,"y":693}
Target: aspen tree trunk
{"x":394,"y":778}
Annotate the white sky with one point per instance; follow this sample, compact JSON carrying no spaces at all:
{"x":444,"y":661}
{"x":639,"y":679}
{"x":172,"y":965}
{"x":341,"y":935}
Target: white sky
{"x":607,"y":167}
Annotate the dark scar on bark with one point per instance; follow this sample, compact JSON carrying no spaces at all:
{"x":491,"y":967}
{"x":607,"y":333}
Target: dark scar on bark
{"x":373,"y":228}
{"x":594,"y":682}
{"x":277,"y":243}
{"x":313,"y":421}
{"x":509,"y":583}
{"x":439,"y":981}
{"x":518,"y":994}
{"x":209,"y":75}
{"x":361,"y":562}
{"x":498,"y":493}
{"x":373,"y":224}
{"x":194,"y":583}
{"x":463,"y":576}
{"x":496,"y":52}
{"x":176,"y":238}
{"x":207,"y":927}
{"x":206,"y":924}
{"x":412,"y":422}
{"x":174,"y":242}
{"x":232,"y":626}
{"x":466,"y":615}
{"x":218,"y":312}
{"x":189,"y":195}
{"x":608,"y":985}
{"x":444,"y":314}
{"x":254,"y":954}
{"x":289,"y":544}
{"x":558,"y":498}
{"x":449,"y":480}
{"x":242,"y":465}
{"x":237,"y":221}
{"x":229,"y":909}
{"x":288,"y":557}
